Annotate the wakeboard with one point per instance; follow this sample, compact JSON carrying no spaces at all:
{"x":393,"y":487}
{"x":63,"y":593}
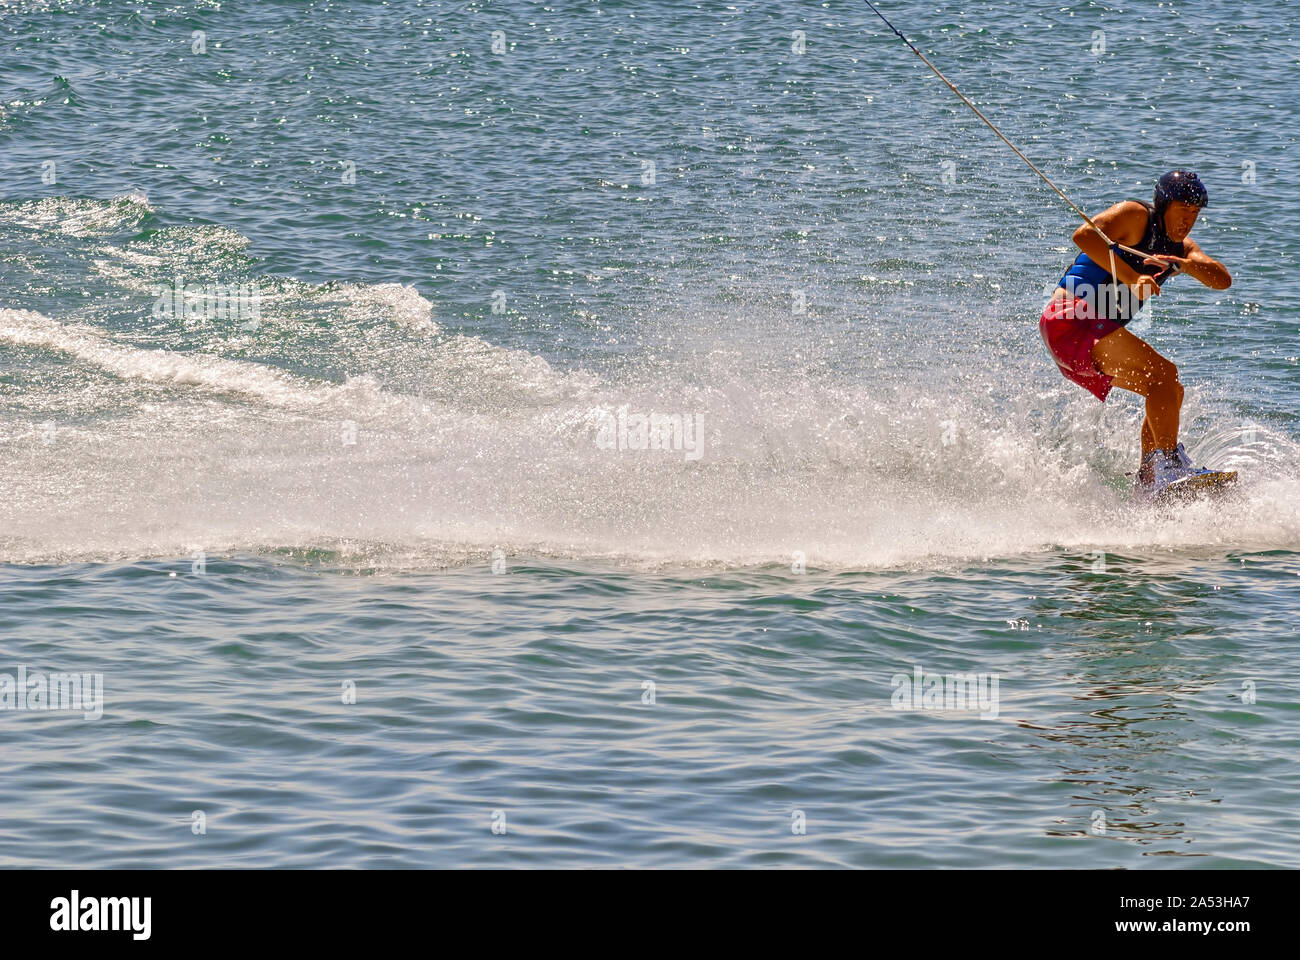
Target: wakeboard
{"x":1198,"y":487}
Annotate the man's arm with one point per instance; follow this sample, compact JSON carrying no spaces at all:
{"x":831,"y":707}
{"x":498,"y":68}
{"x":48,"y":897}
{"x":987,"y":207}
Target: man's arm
{"x":1124,"y":223}
{"x":1203,"y":267}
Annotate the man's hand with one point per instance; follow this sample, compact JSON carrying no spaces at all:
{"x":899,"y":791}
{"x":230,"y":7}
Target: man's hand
{"x":1146,"y":286}
{"x":1165,"y":260}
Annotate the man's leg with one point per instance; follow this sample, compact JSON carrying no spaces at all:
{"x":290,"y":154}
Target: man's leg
{"x":1135,"y":365}
{"x":1146,"y":471}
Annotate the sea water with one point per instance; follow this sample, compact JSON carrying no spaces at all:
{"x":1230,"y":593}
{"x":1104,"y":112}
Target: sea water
{"x":618,"y":434}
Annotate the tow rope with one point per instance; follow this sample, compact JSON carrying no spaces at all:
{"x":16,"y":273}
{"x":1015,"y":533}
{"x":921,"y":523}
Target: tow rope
{"x":1111,"y":245}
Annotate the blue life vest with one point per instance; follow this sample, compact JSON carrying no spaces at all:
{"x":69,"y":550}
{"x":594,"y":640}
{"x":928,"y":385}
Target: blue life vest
{"x":1091,"y":281}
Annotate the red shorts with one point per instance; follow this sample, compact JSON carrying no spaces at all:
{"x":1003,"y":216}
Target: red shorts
{"x":1071,"y":331}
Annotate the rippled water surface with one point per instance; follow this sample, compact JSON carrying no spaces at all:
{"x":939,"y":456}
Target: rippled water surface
{"x":367,"y":588}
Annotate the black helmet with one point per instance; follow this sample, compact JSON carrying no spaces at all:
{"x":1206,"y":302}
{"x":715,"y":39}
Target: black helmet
{"x":1181,"y":185}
